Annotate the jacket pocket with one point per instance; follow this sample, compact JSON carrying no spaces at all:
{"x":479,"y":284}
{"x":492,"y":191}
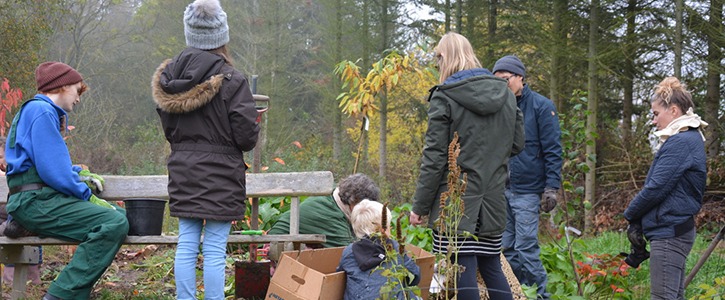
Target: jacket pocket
{"x":492,"y":215}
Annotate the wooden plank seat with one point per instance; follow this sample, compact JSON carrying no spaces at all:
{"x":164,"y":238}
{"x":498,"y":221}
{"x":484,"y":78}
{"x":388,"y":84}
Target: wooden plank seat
{"x":171,"y":239}
{"x":23,"y":251}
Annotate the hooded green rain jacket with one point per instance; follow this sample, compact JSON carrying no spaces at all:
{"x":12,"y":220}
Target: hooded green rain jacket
{"x":490,"y":128}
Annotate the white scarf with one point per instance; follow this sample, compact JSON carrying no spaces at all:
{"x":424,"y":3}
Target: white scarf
{"x":682,"y":123}
{"x":343,"y":207}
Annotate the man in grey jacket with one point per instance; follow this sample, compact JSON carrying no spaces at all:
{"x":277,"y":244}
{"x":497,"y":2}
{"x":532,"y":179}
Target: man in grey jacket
{"x":534,"y":176}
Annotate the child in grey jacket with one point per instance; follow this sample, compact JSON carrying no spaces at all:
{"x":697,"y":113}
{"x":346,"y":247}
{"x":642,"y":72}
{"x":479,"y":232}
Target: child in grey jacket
{"x":365,"y":260}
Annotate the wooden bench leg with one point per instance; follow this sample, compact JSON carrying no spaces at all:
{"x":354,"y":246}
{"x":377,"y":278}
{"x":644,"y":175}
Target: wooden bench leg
{"x":288,"y":246}
{"x":21,"y":256}
{"x":19,"y":281}
{"x":275,"y":251}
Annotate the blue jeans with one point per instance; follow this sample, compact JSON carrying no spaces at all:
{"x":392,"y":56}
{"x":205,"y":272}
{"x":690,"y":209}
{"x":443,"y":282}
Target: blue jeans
{"x":667,"y":266}
{"x":214,"y":250}
{"x":521,"y":240}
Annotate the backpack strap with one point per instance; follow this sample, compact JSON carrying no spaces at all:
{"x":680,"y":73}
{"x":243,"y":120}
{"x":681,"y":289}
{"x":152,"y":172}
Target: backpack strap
{"x":14,"y":126}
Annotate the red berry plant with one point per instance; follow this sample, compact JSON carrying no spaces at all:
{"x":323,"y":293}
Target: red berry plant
{"x":10,"y":98}
{"x":604,"y":276}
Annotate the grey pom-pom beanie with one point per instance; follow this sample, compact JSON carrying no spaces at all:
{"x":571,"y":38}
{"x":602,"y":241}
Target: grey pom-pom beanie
{"x":510,"y":63}
{"x":205,"y":25}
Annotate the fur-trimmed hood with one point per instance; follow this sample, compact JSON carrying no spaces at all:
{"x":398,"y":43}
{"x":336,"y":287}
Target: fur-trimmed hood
{"x":189,"y":81}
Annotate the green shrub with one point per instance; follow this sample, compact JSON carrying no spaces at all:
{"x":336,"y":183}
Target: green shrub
{"x":420,"y":236}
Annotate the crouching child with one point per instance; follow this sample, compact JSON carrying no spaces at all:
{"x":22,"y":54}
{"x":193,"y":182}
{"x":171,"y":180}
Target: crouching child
{"x":373,"y":266}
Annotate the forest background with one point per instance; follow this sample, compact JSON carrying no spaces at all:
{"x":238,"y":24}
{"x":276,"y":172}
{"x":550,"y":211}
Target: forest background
{"x":597,"y":60}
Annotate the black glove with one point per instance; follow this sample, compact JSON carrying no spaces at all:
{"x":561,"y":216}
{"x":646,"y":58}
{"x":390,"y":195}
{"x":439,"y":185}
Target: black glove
{"x":548,"y":200}
{"x":634,"y":259}
{"x":635,"y":234}
{"x":638,"y":249}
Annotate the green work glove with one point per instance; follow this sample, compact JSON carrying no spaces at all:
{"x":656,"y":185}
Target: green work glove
{"x":100,"y":202}
{"x":93,"y":181}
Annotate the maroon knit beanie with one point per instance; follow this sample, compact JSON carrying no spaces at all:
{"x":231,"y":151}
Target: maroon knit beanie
{"x":52,"y":75}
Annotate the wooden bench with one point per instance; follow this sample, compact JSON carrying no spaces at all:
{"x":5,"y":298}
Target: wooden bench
{"x":24,"y":251}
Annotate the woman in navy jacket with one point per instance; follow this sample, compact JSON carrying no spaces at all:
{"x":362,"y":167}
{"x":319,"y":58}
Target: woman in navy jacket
{"x":672,"y":194}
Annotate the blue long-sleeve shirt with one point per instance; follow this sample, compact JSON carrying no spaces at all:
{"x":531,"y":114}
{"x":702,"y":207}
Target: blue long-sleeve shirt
{"x":39,"y":143}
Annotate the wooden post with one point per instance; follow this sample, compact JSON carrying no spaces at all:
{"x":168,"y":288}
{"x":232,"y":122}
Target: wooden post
{"x":256,"y":166}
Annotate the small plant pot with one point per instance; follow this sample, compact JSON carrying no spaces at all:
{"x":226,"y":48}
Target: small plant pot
{"x":145,"y":215}
{"x":251,"y":279}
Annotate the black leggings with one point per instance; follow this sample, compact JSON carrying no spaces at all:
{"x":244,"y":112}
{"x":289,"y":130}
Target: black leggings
{"x":490,"y":268}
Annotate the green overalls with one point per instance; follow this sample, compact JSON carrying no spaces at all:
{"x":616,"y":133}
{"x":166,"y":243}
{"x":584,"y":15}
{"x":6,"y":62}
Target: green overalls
{"x":49,"y":213}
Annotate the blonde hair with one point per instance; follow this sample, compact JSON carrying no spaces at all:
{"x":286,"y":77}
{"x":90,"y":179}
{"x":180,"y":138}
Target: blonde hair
{"x":366,"y":216}
{"x":454,"y":53}
{"x":670,"y":91}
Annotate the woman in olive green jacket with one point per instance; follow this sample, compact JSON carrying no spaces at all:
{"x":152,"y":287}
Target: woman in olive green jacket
{"x":482,"y":110}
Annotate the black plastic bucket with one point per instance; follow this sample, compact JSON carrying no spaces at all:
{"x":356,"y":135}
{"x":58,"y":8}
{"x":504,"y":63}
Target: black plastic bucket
{"x":145,"y":215}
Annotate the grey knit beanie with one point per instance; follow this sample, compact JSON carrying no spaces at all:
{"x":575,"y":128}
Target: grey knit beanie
{"x":510,"y":63}
{"x":205,"y":25}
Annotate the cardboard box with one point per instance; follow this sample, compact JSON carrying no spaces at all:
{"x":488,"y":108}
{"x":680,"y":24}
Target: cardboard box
{"x":310,"y":274}
{"x":426,"y":261}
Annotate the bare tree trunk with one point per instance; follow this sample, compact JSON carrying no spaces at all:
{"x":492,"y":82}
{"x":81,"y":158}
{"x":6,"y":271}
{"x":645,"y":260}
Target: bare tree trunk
{"x":629,"y":71}
{"x":383,"y":134}
{"x":337,"y":127}
{"x":383,"y":96}
{"x":385,"y":25}
{"x":366,"y":66}
{"x":459,"y":16}
{"x":474,"y":13}
{"x":714,"y":71}
{"x":557,"y":59}
{"x":447,"y":11}
{"x":366,"y":36}
{"x":592,"y":106}
{"x":679,"y":7}
{"x":492,"y":14}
